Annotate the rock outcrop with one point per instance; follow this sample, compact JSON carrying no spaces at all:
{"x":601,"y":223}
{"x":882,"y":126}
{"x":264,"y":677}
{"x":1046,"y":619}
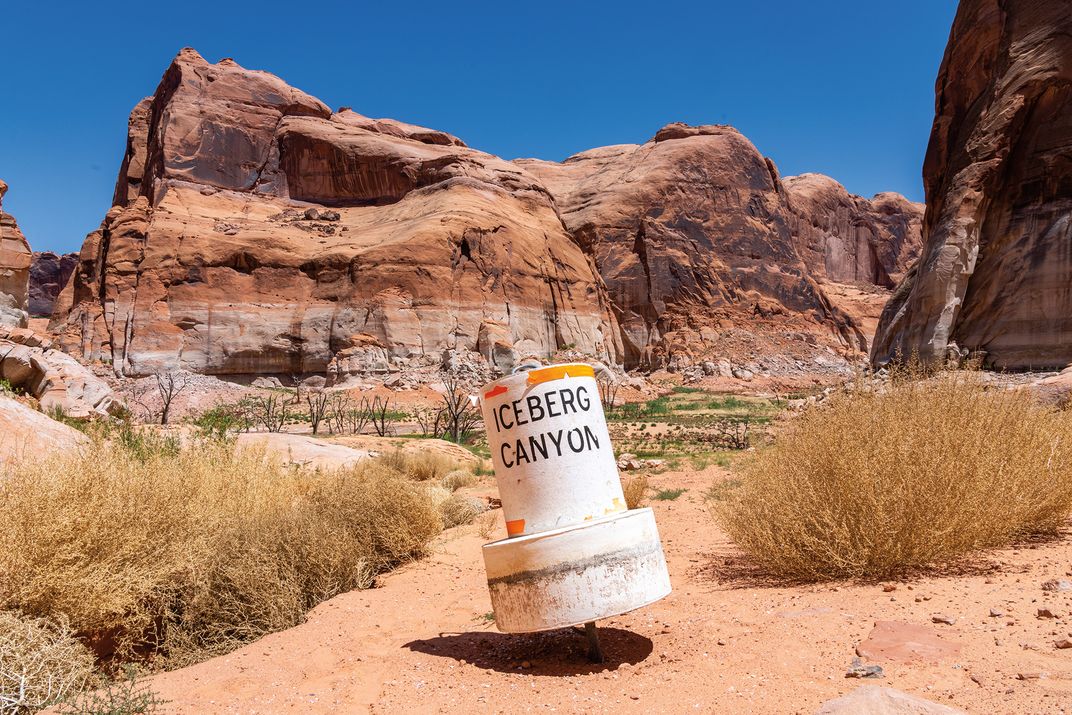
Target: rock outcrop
{"x":695,"y":234}
{"x":996,"y":264}
{"x":49,"y":273}
{"x":221,"y":256}
{"x":29,"y":363}
{"x":14,"y":269}
{"x":255,"y":231}
{"x":850,"y":239}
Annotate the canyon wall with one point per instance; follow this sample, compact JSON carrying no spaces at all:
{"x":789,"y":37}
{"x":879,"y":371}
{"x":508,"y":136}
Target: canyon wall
{"x":256,"y":231}
{"x":996,"y":266}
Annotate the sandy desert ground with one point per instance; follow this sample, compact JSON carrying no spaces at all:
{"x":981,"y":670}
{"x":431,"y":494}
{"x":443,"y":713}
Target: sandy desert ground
{"x":727,"y":640}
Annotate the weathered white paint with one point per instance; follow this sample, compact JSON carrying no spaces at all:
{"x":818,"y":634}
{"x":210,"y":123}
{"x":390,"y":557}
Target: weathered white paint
{"x":576,"y":574}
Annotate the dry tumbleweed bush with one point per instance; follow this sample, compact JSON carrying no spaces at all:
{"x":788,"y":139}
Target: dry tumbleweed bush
{"x":186,"y":553}
{"x":41,"y":663}
{"x":921,"y":473}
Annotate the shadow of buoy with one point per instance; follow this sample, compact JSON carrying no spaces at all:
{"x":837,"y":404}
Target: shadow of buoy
{"x":550,"y":653}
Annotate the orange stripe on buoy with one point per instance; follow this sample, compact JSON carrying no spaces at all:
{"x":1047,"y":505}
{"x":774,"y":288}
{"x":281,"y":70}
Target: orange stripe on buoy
{"x":515,"y":527}
{"x":497,"y":390}
{"x":557,"y":372}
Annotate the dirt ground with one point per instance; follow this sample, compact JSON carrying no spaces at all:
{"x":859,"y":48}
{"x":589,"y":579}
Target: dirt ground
{"x":725,"y":641}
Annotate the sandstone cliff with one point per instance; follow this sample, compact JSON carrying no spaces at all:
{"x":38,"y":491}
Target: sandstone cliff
{"x":996,"y":263}
{"x":14,"y":268}
{"x":256,"y":231}
{"x":49,"y":273}
{"x":696,"y":236}
{"x":220,"y":257}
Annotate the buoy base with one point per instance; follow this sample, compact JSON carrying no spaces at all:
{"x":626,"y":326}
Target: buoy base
{"x":576,"y":574}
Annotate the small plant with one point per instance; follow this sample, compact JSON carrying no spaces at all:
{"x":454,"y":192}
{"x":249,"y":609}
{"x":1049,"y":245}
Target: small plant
{"x":668,"y":494}
{"x":122,"y":696}
{"x":271,"y":411}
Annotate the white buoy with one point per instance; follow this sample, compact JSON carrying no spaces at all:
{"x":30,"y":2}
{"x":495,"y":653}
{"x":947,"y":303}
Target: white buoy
{"x":573,"y":553}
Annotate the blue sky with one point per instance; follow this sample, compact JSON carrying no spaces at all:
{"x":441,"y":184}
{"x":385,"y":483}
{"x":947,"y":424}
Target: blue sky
{"x":842,"y":87}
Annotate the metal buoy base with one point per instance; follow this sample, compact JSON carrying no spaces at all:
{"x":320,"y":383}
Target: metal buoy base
{"x":577,"y":574}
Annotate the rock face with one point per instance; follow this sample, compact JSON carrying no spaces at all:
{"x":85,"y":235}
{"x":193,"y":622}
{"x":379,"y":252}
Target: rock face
{"x":255,"y":231}
{"x":694,"y":232}
{"x":220,"y":255}
{"x":850,"y":239}
{"x":14,"y":269}
{"x":996,"y":264}
{"x":49,"y":273}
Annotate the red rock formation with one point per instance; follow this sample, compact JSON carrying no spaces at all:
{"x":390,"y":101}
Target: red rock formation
{"x":49,"y":273}
{"x":694,"y":233}
{"x":996,"y":264}
{"x":255,"y":231}
{"x":14,"y":269}
{"x":850,"y":239}
{"x":220,"y":257}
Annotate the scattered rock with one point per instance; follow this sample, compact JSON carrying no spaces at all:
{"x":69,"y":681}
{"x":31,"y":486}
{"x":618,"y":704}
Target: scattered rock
{"x":942,"y":618}
{"x":905,"y":642}
{"x":1063,"y":644}
{"x":1046,"y":613}
{"x":996,"y":613}
{"x":1057,"y":585}
{"x":858,"y":670}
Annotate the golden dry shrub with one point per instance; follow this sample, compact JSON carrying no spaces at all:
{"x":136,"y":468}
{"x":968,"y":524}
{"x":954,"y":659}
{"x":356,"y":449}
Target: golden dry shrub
{"x":422,"y":466}
{"x":41,"y":663}
{"x":921,"y":472}
{"x":635,"y":489}
{"x":182,"y":553}
{"x":458,"y":478}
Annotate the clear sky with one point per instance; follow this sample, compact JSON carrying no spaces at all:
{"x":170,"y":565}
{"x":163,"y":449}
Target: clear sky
{"x":841,"y":87}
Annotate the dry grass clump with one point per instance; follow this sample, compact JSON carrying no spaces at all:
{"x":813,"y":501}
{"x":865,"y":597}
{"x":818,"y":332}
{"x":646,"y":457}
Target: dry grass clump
{"x":635,"y":489}
{"x":178,"y":554}
{"x":422,"y":466}
{"x":922,"y":473}
{"x":41,"y":663}
{"x":458,"y":478}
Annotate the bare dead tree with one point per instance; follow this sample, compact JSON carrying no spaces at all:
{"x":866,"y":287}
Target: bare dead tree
{"x":608,"y":389}
{"x":318,"y":408}
{"x":271,"y":411}
{"x":168,"y":386}
{"x":428,"y":420}
{"x":381,"y":418}
{"x":295,"y":381}
{"x":336,"y":416}
{"x":357,"y":416}
{"x":459,"y":414}
{"x":137,"y":398}
{"x":731,"y":434}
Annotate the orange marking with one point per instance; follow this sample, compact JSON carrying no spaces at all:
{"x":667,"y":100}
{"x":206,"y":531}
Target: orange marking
{"x":557,"y":372}
{"x":515,"y":527}
{"x":494,"y":392}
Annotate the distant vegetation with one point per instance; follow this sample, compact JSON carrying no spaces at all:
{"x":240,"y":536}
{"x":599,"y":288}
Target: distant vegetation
{"x":881,"y":482}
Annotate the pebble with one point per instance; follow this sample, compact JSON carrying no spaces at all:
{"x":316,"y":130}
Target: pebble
{"x":1057,"y":585}
{"x":942,"y":618}
{"x":1063,"y":644}
{"x":1046,"y":613}
{"x":996,"y":613}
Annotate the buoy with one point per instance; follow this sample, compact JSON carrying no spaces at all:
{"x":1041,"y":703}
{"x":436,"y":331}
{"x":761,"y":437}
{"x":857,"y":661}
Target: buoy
{"x":573,"y":553}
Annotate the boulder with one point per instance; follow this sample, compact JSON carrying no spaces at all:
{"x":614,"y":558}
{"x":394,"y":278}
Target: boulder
{"x":25,"y":432}
{"x":30,"y":363}
{"x":995,"y":265}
